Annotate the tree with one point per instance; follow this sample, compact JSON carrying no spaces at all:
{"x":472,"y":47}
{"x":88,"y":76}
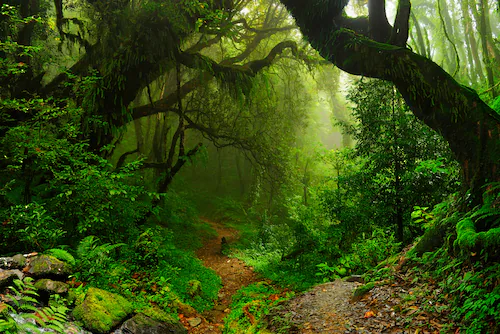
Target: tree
{"x":405,"y":164}
{"x":370,"y":46}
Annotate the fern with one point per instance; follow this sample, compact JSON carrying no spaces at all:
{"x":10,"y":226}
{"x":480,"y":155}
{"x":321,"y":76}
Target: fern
{"x":62,"y":255}
{"x":22,"y":295}
{"x":93,"y":256}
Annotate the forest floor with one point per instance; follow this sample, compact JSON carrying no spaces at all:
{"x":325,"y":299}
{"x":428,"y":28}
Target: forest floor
{"x":235,"y":274}
{"x":400,"y":305}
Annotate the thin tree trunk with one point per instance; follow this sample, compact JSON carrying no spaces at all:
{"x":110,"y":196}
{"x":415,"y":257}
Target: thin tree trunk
{"x":420,"y":39}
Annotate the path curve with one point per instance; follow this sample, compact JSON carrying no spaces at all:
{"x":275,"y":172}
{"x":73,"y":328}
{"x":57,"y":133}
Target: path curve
{"x":234,"y":273}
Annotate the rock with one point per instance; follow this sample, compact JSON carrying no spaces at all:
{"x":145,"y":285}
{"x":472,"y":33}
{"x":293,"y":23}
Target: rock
{"x":194,"y":322}
{"x":102,"y":310}
{"x":142,"y":324}
{"x":8,"y":276}
{"x":5,"y":262}
{"x":18,"y":261}
{"x":46,"y":265}
{"x":52,"y":287}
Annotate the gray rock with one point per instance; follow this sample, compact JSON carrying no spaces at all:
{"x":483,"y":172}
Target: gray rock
{"x":5,"y":262}
{"x":52,"y":287}
{"x":8,"y":276}
{"x":18,"y":261}
{"x":46,"y":265}
{"x":194,"y":322}
{"x":142,"y":324}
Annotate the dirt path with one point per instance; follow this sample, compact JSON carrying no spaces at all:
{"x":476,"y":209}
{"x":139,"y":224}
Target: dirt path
{"x":235,"y":274}
{"x":388,"y":308}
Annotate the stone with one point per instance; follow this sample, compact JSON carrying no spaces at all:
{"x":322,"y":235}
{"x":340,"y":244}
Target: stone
{"x":101,"y":310}
{"x":5,"y":262}
{"x":8,"y":276}
{"x":194,"y":322}
{"x":142,"y":324}
{"x":18,"y":261}
{"x":50,"y":286}
{"x":46,"y":266}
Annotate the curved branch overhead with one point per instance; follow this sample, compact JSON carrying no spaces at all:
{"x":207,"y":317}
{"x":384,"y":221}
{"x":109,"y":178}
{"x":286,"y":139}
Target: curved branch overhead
{"x":455,"y":111}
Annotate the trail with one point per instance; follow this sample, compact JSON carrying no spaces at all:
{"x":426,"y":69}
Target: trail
{"x":234,"y":273}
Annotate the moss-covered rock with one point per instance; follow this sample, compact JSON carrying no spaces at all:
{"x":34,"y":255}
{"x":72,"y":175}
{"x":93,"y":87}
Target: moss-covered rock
{"x":51,"y":286}
{"x":47,"y":265}
{"x":18,"y":261}
{"x":62,"y":255}
{"x":102,"y":310}
{"x":142,"y":324}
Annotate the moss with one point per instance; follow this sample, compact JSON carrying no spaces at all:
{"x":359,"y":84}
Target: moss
{"x":44,"y":265}
{"x":362,"y":290}
{"x":194,"y":288}
{"x":62,"y":255}
{"x":158,"y":314}
{"x":467,"y":238}
{"x":102,"y":310}
{"x":51,"y":286}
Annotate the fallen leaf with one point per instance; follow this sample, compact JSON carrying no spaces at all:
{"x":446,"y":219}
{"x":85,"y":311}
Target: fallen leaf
{"x":369,"y":314}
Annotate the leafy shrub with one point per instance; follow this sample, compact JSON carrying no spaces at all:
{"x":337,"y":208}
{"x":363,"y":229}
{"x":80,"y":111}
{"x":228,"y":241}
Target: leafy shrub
{"x":35,"y":227}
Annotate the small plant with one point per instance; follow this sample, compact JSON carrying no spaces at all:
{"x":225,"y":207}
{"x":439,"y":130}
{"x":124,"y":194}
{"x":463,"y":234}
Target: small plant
{"x":93,"y":257}
{"x":62,"y":255}
{"x":24,"y":316}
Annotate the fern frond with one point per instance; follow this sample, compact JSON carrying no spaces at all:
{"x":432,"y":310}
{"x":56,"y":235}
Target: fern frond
{"x":58,"y":327}
{"x":31,"y":292}
{"x":28,"y":307}
{"x":28,"y":299}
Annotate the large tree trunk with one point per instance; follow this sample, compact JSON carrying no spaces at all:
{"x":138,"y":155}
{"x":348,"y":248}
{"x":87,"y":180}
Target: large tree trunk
{"x":455,"y":111}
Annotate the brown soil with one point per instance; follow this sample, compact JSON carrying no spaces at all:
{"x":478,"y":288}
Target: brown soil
{"x":391,"y":307}
{"x":234,"y":273}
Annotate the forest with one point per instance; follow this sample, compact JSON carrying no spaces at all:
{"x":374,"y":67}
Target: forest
{"x":249,"y":166}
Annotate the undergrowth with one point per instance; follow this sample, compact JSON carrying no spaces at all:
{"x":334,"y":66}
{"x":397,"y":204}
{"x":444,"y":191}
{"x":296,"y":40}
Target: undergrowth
{"x":250,"y":307}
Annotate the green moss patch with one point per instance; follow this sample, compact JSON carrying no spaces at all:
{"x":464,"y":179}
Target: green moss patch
{"x":102,"y":310}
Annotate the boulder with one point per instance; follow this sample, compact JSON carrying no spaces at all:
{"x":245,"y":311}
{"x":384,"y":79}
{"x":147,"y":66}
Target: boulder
{"x":8,"y":276}
{"x":48,"y":266}
{"x":18,"y":261}
{"x":50,"y":286}
{"x":101,"y":310}
{"x":142,"y":324}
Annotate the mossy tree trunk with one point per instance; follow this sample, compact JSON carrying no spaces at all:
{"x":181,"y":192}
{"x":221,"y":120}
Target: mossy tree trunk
{"x":455,"y":111}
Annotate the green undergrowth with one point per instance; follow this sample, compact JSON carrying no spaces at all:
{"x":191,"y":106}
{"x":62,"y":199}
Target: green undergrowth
{"x":460,"y":280}
{"x":468,"y":286}
{"x":152,"y":269}
{"x":250,"y":307}
{"x":313,"y":265}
